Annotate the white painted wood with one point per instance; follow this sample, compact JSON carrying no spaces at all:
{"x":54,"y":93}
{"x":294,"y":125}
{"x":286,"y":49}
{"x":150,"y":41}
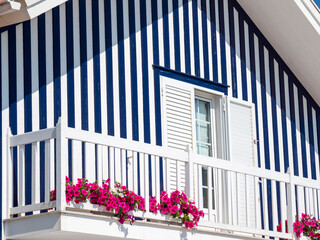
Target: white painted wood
{"x":9,"y":175}
{"x":139,"y":70}
{"x":76,"y":160}
{"x":34,"y":74}
{"x":181,"y":36}
{"x":112,"y":166}
{"x":35,"y":185}
{"x":20,"y":79}
{"x":210,"y":197}
{"x":200,"y":39}
{"x":283,"y":205}
{"x":146,"y":181}
{"x":21,"y":175}
{"x":298,"y":130}
{"x":153,"y":176}
{"x":157,"y":178}
{"x":31,"y":137}
{"x":315,"y":143}
{"x":90,"y":162}
{"x":209,"y":31}
{"x":248,"y":66}
{"x":142,"y":173}
{"x":123,"y":167}
{"x":306,"y":134}
{"x":291,"y":202}
{"x":105,"y":162}
{"x":220,"y":196}
{"x":191,"y":36}
{"x":61,"y":165}
{"x":131,"y":172}
{"x":99,"y":168}
{"x":237,"y":50}
{"x":32,"y":208}
{"x":117,"y":164}
{"x":160,"y":33}
{"x":63,"y":63}
{"x":218,"y":40}
{"x":135,"y":172}
{"x":265,"y":203}
{"x":227,"y":45}
{"x":48,"y":171}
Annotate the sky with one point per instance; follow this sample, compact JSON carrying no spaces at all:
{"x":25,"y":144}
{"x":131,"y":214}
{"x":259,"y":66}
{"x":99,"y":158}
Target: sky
{"x":317,"y":2}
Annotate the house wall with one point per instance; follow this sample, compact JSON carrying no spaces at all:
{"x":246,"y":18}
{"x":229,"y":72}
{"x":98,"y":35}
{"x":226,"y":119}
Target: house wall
{"x":92,"y":63}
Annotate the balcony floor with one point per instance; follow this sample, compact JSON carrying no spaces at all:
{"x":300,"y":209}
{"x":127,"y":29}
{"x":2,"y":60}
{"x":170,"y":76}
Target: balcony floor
{"x":71,"y":225}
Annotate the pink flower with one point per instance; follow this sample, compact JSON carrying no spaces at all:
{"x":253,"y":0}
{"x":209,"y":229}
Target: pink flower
{"x":67,"y":179}
{"x":76,"y":193}
{"x":84,"y":192}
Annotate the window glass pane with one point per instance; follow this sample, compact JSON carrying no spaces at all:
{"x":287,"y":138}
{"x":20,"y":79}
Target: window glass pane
{"x":203,"y":127}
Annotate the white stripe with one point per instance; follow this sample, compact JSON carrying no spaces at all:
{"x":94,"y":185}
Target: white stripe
{"x":49,"y":69}
{"x":238,"y":57}
{"x":227,"y":42}
{"x":192,"y":60}
{"x":218,"y":41}
{"x":269,"y":108}
{"x":306,"y":133}
{"x":34,"y":74}
{"x":259,"y":101}
{"x":77,"y":75}
{"x":115,"y":68}
{"x":5,"y":117}
{"x":315,"y":143}
{"x":90,"y":76}
{"x":288,"y":121}
{"x":76,"y":145}
{"x":151,"y":74}
{"x":139,"y":70}
{"x":127,"y":65}
{"x":160,"y":33}
{"x":181,"y":37}
{"x":90,"y":148}
{"x":103,"y":70}
{"x":171,"y":35}
{"x":298,"y":135}
{"x":279,"y":118}
{"x":63,"y":63}
{"x":20,"y":79}
{"x":248,"y":67}
{"x":200,"y":39}
{"x":209,"y":31}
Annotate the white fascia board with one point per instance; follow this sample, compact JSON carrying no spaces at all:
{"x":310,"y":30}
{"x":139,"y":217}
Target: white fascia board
{"x":8,"y":7}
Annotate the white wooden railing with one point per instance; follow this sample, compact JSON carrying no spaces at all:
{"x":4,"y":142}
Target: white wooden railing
{"x":241,"y":195}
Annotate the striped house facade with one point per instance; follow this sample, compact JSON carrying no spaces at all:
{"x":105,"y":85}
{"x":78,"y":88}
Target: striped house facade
{"x":97,"y":63}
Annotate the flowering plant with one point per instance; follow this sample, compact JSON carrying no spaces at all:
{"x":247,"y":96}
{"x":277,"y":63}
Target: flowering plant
{"x":279,"y":227}
{"x":308,"y":226}
{"x":121,"y":201}
{"x":118,"y":200}
{"x":178,"y":206}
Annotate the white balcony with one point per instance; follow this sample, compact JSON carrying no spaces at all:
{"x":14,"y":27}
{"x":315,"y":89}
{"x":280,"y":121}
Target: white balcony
{"x":230,"y":212}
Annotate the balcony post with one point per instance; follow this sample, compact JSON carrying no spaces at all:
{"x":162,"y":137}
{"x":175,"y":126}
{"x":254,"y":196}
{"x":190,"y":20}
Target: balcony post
{"x":291,"y":201}
{"x":9,"y":182}
{"x":61,"y":165}
{"x":189,"y":174}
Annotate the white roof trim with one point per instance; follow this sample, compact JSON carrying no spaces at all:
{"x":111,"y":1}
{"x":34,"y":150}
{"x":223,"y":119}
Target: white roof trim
{"x":29,"y":9}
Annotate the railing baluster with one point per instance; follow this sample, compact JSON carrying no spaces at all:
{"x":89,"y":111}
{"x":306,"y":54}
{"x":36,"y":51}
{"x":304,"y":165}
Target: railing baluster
{"x":123,"y":160}
{"x":210,"y":207}
{"x":274,"y":205}
{"x":35,"y":173}
{"x":146,"y":181}
{"x":283,"y":205}
{"x":246,"y":198}
{"x":178,"y":175}
{"x":291,"y":201}
{"x":196,"y":186}
{"x":9,"y":174}
{"x":111,"y":164}
{"x":229,"y":201}
{"x":21,"y":175}
{"x":117,"y":164}
{"x":142,"y":172}
{"x":105,"y":163}
{"x":76,"y":160}
{"x":316,"y":207}
{"x":47,"y":171}
{"x":167,"y":172}
{"x":135,"y":172}
{"x":301,"y":203}
{"x":220,"y":196}
{"x":130,"y":169}
{"x":157,"y":177}
{"x":265,"y":204}
{"x":99,"y":164}
{"x":153,"y":176}
{"x":90,"y":161}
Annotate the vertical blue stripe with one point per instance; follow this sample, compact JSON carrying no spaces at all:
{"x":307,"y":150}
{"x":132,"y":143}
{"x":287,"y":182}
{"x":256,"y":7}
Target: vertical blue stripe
{"x":302,"y":134}
{"x":42,"y":95}
{"x":196,"y":37}
{"x":205,"y":39}
{"x":56,"y":63}
{"x":70,"y":64}
{"x":214,"y":40}
{"x":165,"y":33}
{"x":293,"y":128}
{"x":27,"y":106}
{"x":145,"y":77}
{"x":133,"y":62}
{"x":311,"y":141}
{"x":264,"y":105}
{"x":122,"y":83}
{"x":96,"y":65}
{"x":283,"y":118}
{"x":222,"y":43}
{"x":243,"y":59}
{"x":274,"y":113}
{"x":108,"y":37}
{"x":83,"y":64}
{"x":186,"y":36}
{"x":176,"y":35}
{"x":232,"y":51}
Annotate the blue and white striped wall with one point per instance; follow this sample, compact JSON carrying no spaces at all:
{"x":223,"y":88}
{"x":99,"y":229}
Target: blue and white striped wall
{"x":91,"y":61}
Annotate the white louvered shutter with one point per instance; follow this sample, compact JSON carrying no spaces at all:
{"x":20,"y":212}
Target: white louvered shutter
{"x":177,"y":100}
{"x":241,"y":143}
